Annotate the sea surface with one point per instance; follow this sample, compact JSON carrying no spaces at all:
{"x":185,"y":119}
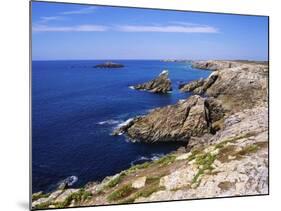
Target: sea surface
{"x":75,"y":107}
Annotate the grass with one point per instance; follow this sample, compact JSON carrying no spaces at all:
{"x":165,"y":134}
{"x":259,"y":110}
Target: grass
{"x":120,"y":193}
{"x":194,"y":153}
{"x":233,"y":139}
{"x":40,"y":195}
{"x":205,"y":162}
{"x":165,"y":160}
{"x":137,"y":167}
{"x":231,"y":150}
{"x":77,"y":197}
{"x":247,"y":150}
{"x":42,"y":205}
{"x":113,"y":182}
{"x":152,"y":185}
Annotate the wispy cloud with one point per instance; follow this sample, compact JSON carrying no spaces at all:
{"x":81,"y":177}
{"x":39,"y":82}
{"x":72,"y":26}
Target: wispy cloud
{"x":86,"y":10}
{"x":168,"y":28}
{"x":171,"y":28}
{"x":78,"y":28}
{"x":47,"y":19}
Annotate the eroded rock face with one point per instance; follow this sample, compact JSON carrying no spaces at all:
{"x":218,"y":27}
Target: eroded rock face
{"x":214,"y":65}
{"x":238,"y":158}
{"x":200,"y":86}
{"x":189,"y":87}
{"x":161,"y":84}
{"x":179,"y":122}
{"x":240,"y":86}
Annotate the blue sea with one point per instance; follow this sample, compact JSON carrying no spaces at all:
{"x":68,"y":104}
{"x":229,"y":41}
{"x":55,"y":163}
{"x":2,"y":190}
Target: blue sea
{"x":75,"y":107}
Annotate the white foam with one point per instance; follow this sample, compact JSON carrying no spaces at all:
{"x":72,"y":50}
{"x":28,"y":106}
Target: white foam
{"x":146,"y":158}
{"x":131,"y":87}
{"x":125,"y":122}
{"x":109,"y":122}
{"x":69,"y":180}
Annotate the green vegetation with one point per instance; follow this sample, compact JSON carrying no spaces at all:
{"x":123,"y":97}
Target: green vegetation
{"x":152,"y":185}
{"x":205,"y":162}
{"x":113,"y":182}
{"x":39,"y":195}
{"x":77,"y":197}
{"x":120,"y":193}
{"x":233,"y":139}
{"x":166,"y":159}
{"x":42,"y":205}
{"x":137,"y":167}
{"x":247,"y":150}
{"x":231,"y":150}
{"x":194,"y":153}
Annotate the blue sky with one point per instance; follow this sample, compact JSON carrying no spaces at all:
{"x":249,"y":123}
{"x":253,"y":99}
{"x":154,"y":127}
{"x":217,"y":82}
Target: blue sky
{"x":71,"y":31}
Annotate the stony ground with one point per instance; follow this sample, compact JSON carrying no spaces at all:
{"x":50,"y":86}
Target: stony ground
{"x":231,"y":162}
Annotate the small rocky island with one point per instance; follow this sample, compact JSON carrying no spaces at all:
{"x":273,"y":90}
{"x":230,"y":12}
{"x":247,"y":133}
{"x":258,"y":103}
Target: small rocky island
{"x":225,"y":132}
{"x":161,"y":84}
{"x":109,"y":65}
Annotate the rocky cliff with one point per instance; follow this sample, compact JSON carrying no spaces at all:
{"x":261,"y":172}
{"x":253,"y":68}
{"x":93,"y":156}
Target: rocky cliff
{"x":161,"y":84}
{"x":226,"y":153}
{"x":174,"y":123}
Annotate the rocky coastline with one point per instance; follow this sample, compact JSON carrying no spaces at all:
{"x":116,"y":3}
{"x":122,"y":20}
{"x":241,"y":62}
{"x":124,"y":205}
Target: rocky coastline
{"x":225,"y":129}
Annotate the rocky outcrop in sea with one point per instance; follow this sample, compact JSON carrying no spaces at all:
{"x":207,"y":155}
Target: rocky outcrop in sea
{"x":109,"y":65}
{"x":162,"y":84}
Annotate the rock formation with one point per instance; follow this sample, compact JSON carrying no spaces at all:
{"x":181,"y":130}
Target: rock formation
{"x":175,"y":123}
{"x":109,"y":65}
{"x":227,"y":146}
{"x":241,"y":86}
{"x":214,"y":65}
{"x":161,"y":84}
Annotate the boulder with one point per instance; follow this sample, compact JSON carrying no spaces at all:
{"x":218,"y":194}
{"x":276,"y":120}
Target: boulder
{"x":139,"y":182}
{"x":161,"y":84}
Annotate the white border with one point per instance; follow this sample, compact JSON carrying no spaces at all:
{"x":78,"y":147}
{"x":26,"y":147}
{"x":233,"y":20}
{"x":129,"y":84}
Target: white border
{"x":14,"y":87}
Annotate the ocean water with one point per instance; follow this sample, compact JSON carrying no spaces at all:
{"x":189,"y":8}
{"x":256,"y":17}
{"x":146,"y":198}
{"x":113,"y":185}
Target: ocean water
{"x":75,"y":107}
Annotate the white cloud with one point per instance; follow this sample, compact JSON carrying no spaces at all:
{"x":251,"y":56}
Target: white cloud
{"x":78,"y":28}
{"x":46,"y":19}
{"x":175,"y":28}
{"x":168,"y":28}
{"x":86,"y":10}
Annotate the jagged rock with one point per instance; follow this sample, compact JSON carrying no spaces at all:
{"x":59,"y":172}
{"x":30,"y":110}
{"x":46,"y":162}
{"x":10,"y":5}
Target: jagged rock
{"x":161,"y":84}
{"x":189,"y":87}
{"x":109,"y":65}
{"x":241,"y":86}
{"x":240,"y":166}
{"x":179,"y":122}
{"x":200,"y":86}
